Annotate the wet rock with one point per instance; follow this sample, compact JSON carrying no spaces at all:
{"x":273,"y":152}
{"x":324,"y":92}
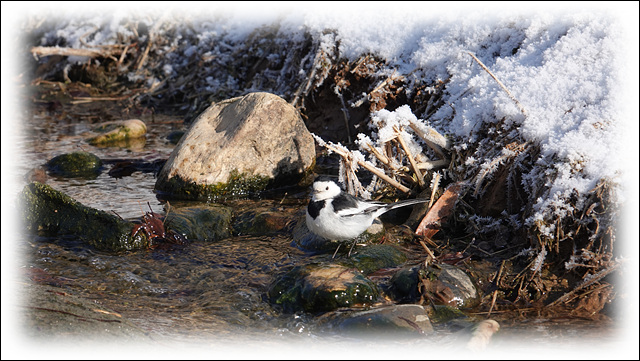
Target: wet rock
{"x":118,"y":132}
{"x":211,"y":223}
{"x":442,"y":284}
{"x":322,"y":287}
{"x":404,"y":284}
{"x":53,"y":312}
{"x":442,"y":314}
{"x":259,"y":223}
{"x":175,"y":136}
{"x":397,"y":321}
{"x":51,"y":213}
{"x":373,"y":257}
{"x":254,"y":140}
{"x":76,"y":164}
{"x":464,"y":291}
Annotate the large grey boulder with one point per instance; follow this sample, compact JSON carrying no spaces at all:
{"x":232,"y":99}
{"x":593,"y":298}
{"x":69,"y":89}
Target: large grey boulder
{"x":248,"y":141}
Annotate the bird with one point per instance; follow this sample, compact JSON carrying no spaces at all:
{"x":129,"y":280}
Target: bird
{"x":337,"y":215}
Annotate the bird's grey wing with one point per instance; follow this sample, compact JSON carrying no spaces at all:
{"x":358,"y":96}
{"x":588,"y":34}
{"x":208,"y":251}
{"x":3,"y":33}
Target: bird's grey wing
{"x":346,"y":205}
{"x":344,"y":202}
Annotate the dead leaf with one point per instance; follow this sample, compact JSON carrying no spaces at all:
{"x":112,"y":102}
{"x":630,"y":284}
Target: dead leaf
{"x":440,"y":210}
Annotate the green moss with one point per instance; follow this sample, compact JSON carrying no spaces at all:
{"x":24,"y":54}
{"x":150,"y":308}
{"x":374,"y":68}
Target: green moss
{"x":76,"y":164}
{"x":238,"y":185}
{"x":49,"y":212}
{"x":442,"y":313}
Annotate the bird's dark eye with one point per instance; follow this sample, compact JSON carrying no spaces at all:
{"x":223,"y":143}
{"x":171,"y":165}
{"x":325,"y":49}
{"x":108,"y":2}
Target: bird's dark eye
{"x":326,"y":189}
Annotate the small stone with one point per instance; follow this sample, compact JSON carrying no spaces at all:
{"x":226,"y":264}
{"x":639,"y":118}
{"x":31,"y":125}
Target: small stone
{"x":76,"y":164}
{"x":118,"y":131}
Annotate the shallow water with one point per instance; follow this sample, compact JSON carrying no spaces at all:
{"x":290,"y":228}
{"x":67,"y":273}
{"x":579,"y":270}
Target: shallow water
{"x":206,"y":292}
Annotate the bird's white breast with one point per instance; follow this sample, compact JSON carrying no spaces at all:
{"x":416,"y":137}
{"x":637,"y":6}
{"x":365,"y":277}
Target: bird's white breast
{"x":334,"y":226}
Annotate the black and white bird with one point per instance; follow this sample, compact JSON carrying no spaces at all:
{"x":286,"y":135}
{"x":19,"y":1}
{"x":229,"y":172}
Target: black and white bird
{"x":336,"y":215}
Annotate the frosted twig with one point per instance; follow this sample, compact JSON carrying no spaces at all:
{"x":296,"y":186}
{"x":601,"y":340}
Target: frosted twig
{"x":367,"y":166}
{"x":410,"y":156}
{"x":310,"y":79}
{"x":522,"y":109}
{"x":432,"y":164}
{"x":433,"y":139}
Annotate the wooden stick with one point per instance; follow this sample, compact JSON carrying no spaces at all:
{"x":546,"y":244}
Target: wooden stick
{"x":432,"y":164}
{"x":427,"y":249}
{"x":433,"y":191}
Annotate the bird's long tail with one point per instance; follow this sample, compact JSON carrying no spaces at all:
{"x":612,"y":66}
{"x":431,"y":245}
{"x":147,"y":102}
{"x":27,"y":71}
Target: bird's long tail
{"x":405,"y":203}
{"x":386,"y":208}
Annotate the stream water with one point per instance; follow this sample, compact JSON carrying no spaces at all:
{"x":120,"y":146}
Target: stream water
{"x":211,"y":295}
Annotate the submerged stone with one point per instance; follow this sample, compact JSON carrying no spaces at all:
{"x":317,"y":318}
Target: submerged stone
{"x":322,"y":287}
{"x":239,"y":146}
{"x":175,"y":136}
{"x":373,"y":257}
{"x":442,"y":284}
{"x":52,"y":213}
{"x":464,"y":291}
{"x":259,"y":223}
{"x":113,"y":133}
{"x":397,"y":321}
{"x":211,"y":223}
{"x":52,"y":312}
{"x":76,"y":164}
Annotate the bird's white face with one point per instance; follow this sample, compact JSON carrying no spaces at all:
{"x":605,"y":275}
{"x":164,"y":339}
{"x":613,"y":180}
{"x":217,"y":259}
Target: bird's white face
{"x":324,"y":189}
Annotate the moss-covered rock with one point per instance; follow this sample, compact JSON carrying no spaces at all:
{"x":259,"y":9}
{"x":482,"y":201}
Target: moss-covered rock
{"x":75,"y":164}
{"x":211,"y":223}
{"x":114,"y":132}
{"x":373,"y":257}
{"x":322,"y":287}
{"x":52,"y":213}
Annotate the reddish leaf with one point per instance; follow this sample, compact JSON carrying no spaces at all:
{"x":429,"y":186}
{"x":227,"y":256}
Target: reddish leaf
{"x":440,"y":210}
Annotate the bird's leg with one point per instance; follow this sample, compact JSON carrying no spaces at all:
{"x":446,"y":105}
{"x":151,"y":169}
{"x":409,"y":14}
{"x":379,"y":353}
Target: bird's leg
{"x":351,"y":249}
{"x":336,"y":252}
